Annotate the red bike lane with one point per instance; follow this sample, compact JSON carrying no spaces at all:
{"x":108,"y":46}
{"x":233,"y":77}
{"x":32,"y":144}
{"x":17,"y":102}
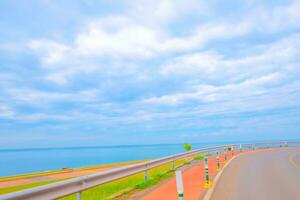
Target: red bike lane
{"x":193,"y":181}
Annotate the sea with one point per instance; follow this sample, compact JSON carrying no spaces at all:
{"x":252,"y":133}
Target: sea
{"x":22,"y":161}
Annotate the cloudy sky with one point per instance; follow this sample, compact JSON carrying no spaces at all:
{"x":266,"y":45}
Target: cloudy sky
{"x":145,"y":71}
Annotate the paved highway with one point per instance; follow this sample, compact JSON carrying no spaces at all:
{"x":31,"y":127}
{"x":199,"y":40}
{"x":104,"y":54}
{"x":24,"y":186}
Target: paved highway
{"x":264,"y":175}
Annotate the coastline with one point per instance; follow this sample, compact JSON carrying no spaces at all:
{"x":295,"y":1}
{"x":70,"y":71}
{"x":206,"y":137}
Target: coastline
{"x":57,"y":175}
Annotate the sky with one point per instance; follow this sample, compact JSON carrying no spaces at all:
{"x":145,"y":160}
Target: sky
{"x":87,"y":72}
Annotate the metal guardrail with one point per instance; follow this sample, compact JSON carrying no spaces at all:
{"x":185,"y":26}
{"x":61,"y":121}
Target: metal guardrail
{"x":79,"y":184}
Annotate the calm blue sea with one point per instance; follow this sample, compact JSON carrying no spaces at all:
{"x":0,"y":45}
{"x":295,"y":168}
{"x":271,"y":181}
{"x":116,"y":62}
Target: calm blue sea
{"x":20,"y":161}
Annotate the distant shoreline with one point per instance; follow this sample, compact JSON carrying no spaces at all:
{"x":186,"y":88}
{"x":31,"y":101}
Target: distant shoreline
{"x":87,"y":147}
{"x":129,"y":145}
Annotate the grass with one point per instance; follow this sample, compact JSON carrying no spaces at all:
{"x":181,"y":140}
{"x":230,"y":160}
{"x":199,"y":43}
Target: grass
{"x":199,"y":157}
{"x":119,"y":188}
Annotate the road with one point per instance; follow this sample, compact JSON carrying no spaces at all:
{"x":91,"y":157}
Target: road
{"x":264,"y":175}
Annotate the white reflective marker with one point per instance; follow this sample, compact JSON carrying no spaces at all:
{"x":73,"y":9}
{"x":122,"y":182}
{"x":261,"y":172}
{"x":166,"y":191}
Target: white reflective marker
{"x":179,"y":182}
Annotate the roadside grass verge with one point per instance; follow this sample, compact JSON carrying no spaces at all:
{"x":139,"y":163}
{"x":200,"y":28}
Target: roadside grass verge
{"x":199,"y":157}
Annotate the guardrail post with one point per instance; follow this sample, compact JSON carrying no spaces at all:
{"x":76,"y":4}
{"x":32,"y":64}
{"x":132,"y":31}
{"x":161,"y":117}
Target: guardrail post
{"x":218,"y":161}
{"x":179,"y":184}
{"x":145,"y":176}
{"x":78,"y":195}
{"x":173,"y":164}
{"x":207,"y":181}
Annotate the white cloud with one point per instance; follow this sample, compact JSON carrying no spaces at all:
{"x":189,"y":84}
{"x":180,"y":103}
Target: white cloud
{"x":117,"y":37}
{"x":52,"y":52}
{"x":209,"y":66}
{"x":130,"y":38}
{"x":43,"y":117}
{"x":6,"y":112}
{"x":121,"y":37}
{"x":157,"y":13}
{"x":117,"y":45}
{"x":210,"y":93}
{"x":232,"y":99}
{"x":211,"y":77}
{"x":42,"y":98}
{"x":205,"y":63}
{"x":277,"y":18}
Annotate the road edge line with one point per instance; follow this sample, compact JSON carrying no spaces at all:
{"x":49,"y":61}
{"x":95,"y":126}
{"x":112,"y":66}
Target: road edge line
{"x":292,"y":161}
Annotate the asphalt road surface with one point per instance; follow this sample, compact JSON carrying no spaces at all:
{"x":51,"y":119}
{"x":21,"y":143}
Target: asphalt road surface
{"x":264,"y":175}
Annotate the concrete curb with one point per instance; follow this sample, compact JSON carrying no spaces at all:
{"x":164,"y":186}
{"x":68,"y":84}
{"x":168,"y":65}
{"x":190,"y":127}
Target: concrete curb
{"x":210,"y":191}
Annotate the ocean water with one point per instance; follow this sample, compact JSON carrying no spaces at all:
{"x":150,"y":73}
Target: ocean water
{"x":20,"y":161}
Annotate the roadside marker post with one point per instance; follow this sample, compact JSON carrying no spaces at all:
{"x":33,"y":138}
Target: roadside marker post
{"x":207,"y":181}
{"x":145,"y":176}
{"x":241,"y":149}
{"x":225,"y":156}
{"x":179,"y":184}
{"x":218,"y":162}
{"x":173,"y":165}
{"x":286,"y":144}
{"x":232,"y":152}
